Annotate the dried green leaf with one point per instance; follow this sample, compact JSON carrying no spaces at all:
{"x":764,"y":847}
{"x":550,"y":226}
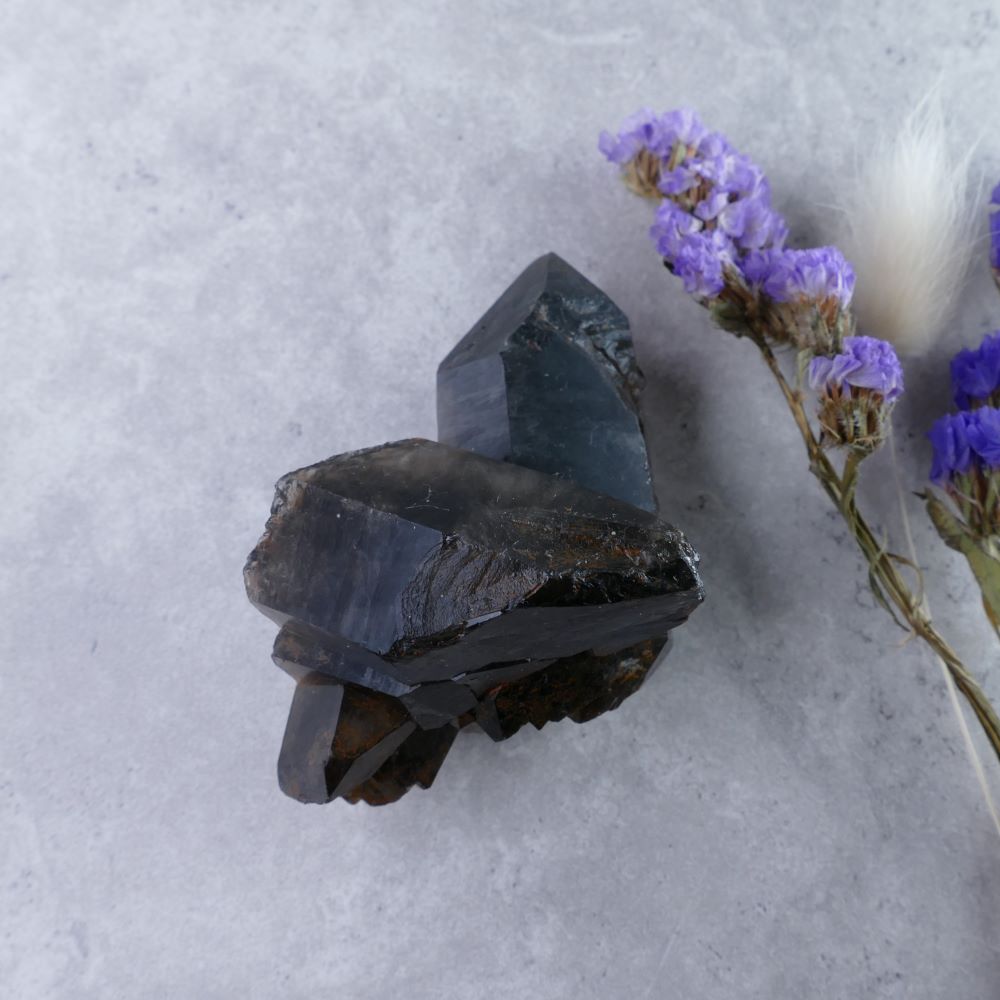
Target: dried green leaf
{"x":730,"y":317}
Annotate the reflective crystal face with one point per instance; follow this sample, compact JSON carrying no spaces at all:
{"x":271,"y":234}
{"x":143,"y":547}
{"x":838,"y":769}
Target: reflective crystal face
{"x":548,"y":379}
{"x":422,"y":587}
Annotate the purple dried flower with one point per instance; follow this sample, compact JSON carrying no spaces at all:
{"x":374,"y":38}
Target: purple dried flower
{"x":684,"y":126}
{"x":740,"y":201}
{"x":733,"y":173}
{"x":983,"y":432}
{"x":714,"y":144}
{"x":715,"y":202}
{"x":966,"y":464}
{"x":975,"y":374}
{"x":696,"y":255}
{"x":656,"y":133}
{"x":752,"y":223}
{"x":857,"y":389}
{"x":677,"y":181}
{"x":670,"y":228}
{"x":824,"y":273}
{"x":814,"y":275}
{"x":643,"y":130}
{"x":758,"y":265}
{"x":699,"y":261}
{"x":866,"y":363}
{"x":950,"y":442}
{"x":710,"y":206}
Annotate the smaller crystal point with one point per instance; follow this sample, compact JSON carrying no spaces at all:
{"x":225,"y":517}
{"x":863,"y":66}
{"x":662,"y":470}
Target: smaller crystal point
{"x":548,"y":379}
{"x":337,"y":737}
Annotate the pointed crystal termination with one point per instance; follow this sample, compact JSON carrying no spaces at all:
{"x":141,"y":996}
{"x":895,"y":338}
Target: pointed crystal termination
{"x":337,"y":736}
{"x":548,"y":379}
{"x":345,"y":741}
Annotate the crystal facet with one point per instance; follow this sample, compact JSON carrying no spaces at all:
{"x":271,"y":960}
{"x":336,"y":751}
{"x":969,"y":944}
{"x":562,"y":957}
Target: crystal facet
{"x":425,"y":562}
{"x":512,"y":574}
{"x":548,"y":379}
{"x":345,"y":740}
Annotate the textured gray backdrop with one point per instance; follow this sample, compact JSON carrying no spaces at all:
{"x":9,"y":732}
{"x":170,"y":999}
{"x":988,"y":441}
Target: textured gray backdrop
{"x":236,"y":238}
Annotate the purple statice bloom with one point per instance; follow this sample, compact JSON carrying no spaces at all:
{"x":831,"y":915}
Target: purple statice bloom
{"x":733,"y":173}
{"x":865,"y":363}
{"x":678,"y":180}
{"x":983,"y":432}
{"x":793,"y":275}
{"x":729,"y":215}
{"x":684,"y":126}
{"x":713,"y":144}
{"x":671,"y":227}
{"x":758,"y":265}
{"x":642,"y":130}
{"x":952,"y":454}
{"x":824,"y":273}
{"x":699,"y":261}
{"x":656,"y":133}
{"x":740,"y":199}
{"x":975,"y":374}
{"x":752,"y":224}
{"x":730,"y":175}
{"x":711,"y":205}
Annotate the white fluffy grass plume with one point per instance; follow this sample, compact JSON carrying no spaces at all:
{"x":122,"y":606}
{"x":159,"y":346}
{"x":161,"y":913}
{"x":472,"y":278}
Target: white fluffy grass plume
{"x":910,"y":231}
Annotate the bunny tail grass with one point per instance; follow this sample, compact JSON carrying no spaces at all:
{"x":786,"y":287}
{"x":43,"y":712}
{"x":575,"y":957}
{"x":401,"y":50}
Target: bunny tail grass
{"x":910,"y":231}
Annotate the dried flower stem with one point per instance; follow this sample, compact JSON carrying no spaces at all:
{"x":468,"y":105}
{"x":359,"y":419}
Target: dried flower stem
{"x":888,"y":585}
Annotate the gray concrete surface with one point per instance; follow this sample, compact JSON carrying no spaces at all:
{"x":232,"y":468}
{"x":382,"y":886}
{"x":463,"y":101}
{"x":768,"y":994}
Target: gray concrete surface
{"x":235,"y":238}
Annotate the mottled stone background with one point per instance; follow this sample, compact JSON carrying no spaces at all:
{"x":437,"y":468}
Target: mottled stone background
{"x":235,"y":238}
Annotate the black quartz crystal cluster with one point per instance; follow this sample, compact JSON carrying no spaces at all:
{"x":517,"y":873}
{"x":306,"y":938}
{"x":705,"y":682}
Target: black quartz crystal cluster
{"x":515,"y":571}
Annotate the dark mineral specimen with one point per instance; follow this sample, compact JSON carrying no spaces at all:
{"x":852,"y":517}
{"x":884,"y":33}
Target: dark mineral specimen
{"x":422,"y":587}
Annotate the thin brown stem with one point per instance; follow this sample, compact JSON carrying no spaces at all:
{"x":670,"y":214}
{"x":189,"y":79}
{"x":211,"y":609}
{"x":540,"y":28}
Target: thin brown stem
{"x":888,"y":582}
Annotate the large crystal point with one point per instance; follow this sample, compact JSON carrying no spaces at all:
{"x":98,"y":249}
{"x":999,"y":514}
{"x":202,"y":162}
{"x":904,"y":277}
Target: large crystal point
{"x":548,"y":379}
{"x":423,"y":564}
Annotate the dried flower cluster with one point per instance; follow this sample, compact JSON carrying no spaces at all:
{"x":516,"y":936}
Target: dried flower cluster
{"x":856,"y":390}
{"x":718,"y":232}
